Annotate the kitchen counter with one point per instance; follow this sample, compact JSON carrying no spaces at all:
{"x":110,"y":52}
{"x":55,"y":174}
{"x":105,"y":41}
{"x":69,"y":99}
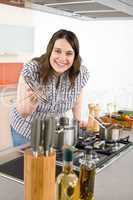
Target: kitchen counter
{"x":113,"y":182}
{"x":116,"y":181}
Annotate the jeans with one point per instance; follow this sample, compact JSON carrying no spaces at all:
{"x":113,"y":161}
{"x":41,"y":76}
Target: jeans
{"x":17,"y":139}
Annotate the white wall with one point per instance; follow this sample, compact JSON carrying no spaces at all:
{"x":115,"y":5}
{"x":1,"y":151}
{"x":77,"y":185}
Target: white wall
{"x":109,"y":59}
{"x":106,"y":48}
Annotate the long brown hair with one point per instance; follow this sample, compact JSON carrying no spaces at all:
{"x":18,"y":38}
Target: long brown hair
{"x":45,"y":67}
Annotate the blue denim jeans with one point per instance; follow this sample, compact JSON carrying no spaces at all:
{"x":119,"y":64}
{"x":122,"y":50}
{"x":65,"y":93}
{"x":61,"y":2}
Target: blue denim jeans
{"x":17,"y":139}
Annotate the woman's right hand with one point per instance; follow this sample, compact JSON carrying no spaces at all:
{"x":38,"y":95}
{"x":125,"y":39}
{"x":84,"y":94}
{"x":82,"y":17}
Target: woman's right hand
{"x":31,"y":97}
{"x":27,"y":101}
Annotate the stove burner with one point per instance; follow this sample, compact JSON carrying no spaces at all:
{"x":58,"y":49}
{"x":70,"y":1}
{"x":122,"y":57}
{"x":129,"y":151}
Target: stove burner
{"x":95,"y":156}
{"x":103,"y":151}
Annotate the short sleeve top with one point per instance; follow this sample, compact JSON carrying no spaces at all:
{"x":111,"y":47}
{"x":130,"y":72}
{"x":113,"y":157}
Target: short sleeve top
{"x":59,"y":99}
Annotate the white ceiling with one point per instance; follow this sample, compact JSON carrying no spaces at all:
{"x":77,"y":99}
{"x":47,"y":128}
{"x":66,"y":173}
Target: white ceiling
{"x":86,"y":10}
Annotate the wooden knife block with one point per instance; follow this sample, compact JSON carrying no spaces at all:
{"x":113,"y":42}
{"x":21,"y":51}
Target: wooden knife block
{"x":39,"y":176}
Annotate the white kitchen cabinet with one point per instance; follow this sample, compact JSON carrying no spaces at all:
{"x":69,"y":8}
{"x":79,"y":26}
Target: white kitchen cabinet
{"x":16,"y":39}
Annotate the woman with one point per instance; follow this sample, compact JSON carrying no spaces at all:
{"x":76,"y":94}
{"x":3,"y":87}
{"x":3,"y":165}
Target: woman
{"x":60,"y":74}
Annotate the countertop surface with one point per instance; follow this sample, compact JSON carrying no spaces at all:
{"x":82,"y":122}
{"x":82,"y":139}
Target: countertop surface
{"x":116,"y":181}
{"x":113,"y":182}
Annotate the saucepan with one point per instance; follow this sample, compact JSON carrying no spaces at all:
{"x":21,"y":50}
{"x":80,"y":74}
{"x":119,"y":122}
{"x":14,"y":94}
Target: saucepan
{"x":66,"y":132}
{"x":108,"y":131}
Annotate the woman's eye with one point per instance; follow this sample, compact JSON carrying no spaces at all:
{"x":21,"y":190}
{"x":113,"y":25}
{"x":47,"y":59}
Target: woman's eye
{"x":69,"y":53}
{"x":58,"y":51}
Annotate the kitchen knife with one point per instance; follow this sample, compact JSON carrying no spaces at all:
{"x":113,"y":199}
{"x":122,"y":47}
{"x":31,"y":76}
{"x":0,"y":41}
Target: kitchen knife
{"x":35,"y":136}
{"x":48,"y":132}
{"x":42,"y":136}
{"x":53,"y":132}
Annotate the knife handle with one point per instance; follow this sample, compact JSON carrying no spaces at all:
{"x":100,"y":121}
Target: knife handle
{"x":54,"y":126}
{"x":48,"y":134}
{"x":35,"y":136}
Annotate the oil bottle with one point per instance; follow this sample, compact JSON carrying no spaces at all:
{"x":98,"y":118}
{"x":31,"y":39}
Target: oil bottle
{"x":87,"y":176}
{"x":67,"y":186}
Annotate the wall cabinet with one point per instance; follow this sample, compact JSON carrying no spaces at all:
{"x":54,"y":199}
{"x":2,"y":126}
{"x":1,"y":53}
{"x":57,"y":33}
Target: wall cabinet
{"x":16,"y":39}
{"x":9,"y":73}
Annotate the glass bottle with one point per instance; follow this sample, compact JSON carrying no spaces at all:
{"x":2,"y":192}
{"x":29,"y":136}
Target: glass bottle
{"x":87,"y":176}
{"x":67,"y":187}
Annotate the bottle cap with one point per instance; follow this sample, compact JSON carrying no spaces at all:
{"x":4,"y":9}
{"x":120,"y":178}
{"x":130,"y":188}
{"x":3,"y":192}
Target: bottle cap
{"x":68,"y":155}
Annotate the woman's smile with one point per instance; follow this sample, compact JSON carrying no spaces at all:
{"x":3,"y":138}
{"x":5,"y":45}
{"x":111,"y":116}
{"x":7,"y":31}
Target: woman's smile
{"x":60,"y":64}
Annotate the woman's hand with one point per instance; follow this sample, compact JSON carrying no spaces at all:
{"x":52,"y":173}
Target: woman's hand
{"x":27,"y":100}
{"x":31,"y":97}
{"x":83,"y":124}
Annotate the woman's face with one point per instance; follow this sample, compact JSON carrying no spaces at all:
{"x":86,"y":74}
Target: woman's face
{"x":62,"y":56}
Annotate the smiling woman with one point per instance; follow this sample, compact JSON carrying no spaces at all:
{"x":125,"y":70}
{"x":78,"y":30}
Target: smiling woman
{"x":62,"y":77}
{"x":62,"y":56}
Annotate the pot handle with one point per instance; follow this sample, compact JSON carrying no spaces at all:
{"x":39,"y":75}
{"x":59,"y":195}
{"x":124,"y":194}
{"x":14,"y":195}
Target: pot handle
{"x":59,"y":131}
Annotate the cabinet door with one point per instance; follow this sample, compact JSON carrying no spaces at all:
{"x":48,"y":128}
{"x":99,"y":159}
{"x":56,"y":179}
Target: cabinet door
{"x":9,"y":73}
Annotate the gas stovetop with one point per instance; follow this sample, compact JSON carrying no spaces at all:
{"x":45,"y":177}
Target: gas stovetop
{"x":104,"y":153}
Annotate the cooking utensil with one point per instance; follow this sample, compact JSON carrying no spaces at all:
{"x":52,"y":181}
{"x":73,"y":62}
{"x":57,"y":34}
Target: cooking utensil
{"x":108,"y":131}
{"x":38,"y":90}
{"x":66,"y":132}
{"x":98,"y":121}
{"x":111,"y":133}
{"x":114,"y":132}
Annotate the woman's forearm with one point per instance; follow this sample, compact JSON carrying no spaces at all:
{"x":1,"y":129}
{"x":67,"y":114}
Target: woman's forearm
{"x":78,"y":106}
{"x":27,"y":101}
{"x":25,"y":110}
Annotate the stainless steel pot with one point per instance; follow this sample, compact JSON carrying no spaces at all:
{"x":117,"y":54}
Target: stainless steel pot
{"x":66,"y":132}
{"x":110,"y":133}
